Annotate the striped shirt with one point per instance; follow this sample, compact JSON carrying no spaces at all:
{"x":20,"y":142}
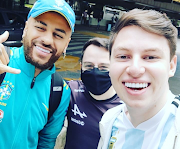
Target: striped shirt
{"x":147,"y":135}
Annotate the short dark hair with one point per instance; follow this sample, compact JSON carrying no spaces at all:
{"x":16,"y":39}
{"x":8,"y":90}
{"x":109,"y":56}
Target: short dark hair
{"x":99,"y":42}
{"x":151,"y":21}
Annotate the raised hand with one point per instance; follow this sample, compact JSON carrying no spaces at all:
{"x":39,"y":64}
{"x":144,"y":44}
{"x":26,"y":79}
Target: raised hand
{"x":4,"y":59}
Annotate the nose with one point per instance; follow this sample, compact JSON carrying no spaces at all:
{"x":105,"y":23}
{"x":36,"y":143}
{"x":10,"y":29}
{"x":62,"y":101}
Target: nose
{"x":47,"y":38}
{"x":136,"y":68}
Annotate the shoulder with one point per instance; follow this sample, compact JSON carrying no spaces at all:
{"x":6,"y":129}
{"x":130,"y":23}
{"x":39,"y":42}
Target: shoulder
{"x":116,"y":100}
{"x":113,"y":112}
{"x":66,"y":87}
{"x":176,"y":102}
{"x":76,"y":87}
{"x":177,"y":97}
{"x":14,"y":49}
{"x":16,"y":52}
{"x":75,"y":83}
{"x":65,"y":94}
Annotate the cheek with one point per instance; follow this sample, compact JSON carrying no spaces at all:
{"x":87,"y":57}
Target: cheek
{"x":26,"y":43}
{"x":59,"y":51}
{"x":61,"y":46}
{"x":161,"y":73}
{"x":158,"y":74}
{"x":159,"y":69}
{"x":114,"y":72}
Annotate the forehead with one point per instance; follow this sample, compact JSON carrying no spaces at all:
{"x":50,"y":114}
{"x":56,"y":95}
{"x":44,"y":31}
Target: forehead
{"x":53,"y":18}
{"x":135,"y":38}
{"x":95,"y":54}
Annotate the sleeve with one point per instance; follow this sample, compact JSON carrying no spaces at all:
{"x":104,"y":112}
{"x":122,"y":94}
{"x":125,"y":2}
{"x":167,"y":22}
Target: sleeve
{"x":2,"y":77}
{"x":100,"y":143}
{"x":48,"y":135}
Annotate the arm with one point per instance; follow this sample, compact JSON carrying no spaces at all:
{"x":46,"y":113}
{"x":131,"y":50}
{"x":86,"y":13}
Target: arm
{"x":48,"y":135}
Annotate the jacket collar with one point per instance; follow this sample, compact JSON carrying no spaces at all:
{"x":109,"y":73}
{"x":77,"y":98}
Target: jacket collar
{"x":28,"y":68}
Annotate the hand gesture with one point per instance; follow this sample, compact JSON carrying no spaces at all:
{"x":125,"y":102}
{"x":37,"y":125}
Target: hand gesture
{"x":4,"y":58}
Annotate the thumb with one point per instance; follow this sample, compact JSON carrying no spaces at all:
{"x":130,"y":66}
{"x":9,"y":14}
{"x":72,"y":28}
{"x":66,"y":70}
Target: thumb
{"x":4,"y":36}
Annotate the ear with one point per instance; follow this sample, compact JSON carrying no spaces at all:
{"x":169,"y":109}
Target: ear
{"x":173,"y":65}
{"x":25,"y":29}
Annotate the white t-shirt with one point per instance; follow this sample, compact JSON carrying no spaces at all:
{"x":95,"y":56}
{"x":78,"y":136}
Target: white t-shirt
{"x":147,"y":135}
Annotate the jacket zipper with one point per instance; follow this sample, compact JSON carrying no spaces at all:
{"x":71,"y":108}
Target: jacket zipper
{"x":33,"y":81}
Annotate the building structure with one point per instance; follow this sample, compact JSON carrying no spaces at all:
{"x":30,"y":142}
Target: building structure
{"x":94,"y":7}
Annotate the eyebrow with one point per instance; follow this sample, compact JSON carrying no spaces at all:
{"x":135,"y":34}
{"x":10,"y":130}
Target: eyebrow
{"x":121,"y":49}
{"x":99,"y":64}
{"x":146,"y":50}
{"x":60,"y":30}
{"x":153,"y":50}
{"x":57,"y":29}
{"x":104,"y":64}
{"x":88,"y":63}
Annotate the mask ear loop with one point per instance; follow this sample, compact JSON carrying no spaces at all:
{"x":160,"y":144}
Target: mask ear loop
{"x":64,"y":55}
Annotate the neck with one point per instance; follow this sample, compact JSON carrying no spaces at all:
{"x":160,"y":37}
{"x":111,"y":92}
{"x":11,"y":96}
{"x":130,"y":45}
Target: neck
{"x":108,"y":94}
{"x":140,"y":115}
{"x":37,"y":71}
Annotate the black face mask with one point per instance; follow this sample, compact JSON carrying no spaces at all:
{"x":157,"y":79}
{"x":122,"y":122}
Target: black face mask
{"x":96,"y":82}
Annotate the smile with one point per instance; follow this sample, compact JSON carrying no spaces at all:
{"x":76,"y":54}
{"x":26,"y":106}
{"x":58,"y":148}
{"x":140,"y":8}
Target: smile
{"x":43,"y":50}
{"x":136,"y":85}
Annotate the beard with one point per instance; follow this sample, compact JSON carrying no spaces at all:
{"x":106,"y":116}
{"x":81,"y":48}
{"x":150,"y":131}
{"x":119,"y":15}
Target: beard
{"x":28,"y":50}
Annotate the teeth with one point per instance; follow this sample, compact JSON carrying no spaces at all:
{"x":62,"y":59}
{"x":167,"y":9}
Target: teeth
{"x":39,"y":48}
{"x":136,"y":85}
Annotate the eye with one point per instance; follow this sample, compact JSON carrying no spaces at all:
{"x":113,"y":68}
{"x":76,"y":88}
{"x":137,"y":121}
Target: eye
{"x":89,"y":66}
{"x":40,"y":28}
{"x":123,"y":57}
{"x":104,"y":69}
{"x":57,"y":36}
{"x":150,"y":57}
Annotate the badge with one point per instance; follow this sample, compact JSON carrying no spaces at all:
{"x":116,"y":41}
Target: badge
{"x":1,"y":115}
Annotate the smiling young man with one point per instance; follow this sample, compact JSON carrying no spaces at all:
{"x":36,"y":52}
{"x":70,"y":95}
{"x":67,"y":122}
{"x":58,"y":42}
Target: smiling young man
{"x":142,"y":49}
{"x":24,"y":102}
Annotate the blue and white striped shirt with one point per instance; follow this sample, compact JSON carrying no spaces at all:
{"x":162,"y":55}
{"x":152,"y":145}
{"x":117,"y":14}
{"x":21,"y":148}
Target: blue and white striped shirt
{"x":147,"y":135}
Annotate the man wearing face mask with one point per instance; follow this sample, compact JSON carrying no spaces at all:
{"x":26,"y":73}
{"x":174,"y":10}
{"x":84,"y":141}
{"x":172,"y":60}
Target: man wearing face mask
{"x":91,"y":97}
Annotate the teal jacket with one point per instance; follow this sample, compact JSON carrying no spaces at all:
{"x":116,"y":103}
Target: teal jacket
{"x":24,"y":110}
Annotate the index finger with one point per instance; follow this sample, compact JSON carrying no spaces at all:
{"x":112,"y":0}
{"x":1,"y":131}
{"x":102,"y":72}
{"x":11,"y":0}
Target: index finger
{"x":4,"y":36}
{"x":4,"y":68}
